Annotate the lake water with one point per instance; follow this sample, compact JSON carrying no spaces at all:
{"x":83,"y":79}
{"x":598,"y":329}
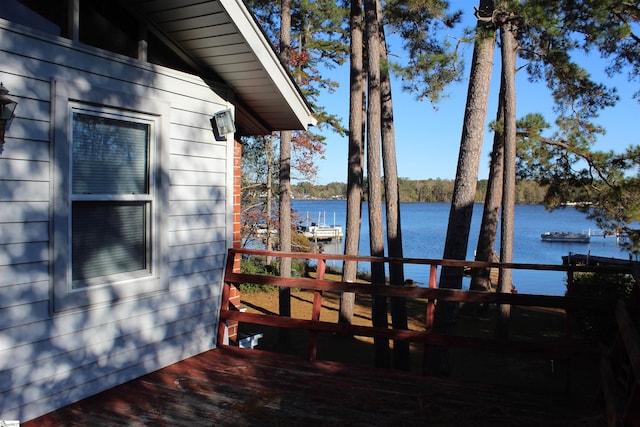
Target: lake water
{"x":424,"y":227}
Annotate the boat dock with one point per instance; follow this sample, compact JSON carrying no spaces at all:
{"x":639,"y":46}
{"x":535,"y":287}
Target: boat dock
{"x":320,"y":231}
{"x":597,"y":261}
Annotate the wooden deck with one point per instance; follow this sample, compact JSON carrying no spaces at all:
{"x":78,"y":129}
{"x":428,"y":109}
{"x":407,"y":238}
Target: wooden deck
{"x":242,"y":387}
{"x":230,"y":386}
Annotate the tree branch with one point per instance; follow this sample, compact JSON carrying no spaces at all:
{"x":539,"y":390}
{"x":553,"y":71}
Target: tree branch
{"x":585,"y":155}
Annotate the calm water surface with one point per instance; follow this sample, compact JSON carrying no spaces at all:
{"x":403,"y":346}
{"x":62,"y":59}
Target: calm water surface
{"x":424,"y":227}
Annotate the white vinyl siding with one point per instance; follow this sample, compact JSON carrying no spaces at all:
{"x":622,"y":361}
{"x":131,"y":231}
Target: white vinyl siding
{"x":101,"y":336}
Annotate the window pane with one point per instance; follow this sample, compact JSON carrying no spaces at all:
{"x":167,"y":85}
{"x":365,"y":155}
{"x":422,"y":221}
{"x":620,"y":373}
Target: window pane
{"x":159,"y":53}
{"x":49,"y":16}
{"x":109,"y":238}
{"x":107,"y":25}
{"x":109,"y":156}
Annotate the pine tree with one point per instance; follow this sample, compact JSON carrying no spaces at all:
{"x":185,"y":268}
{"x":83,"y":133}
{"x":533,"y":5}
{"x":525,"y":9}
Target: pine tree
{"x":355,"y":162}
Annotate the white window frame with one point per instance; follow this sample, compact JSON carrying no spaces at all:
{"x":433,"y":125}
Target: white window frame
{"x":147,"y":198}
{"x":69,"y":98}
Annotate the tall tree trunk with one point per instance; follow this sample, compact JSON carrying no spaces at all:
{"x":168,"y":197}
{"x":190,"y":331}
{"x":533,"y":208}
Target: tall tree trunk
{"x":401,"y":356}
{"x":509,"y":48}
{"x":376,"y":236}
{"x":284,"y":232}
{"x":473,"y":128}
{"x":481,"y":280}
{"x":355,"y":161}
{"x":268,"y":144}
{"x":466,"y":180}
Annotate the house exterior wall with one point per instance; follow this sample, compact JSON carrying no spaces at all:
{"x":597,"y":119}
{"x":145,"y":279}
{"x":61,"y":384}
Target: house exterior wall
{"x":50,"y":357}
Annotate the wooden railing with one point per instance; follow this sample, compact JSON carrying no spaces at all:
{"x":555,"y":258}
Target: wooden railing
{"x":567,"y":349}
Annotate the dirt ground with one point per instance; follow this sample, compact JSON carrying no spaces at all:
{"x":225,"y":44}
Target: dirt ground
{"x":547,"y":325}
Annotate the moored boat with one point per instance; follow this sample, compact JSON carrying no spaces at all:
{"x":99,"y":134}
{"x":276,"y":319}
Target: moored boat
{"x":262,"y":230}
{"x":565,"y":237}
{"x":321,"y":231}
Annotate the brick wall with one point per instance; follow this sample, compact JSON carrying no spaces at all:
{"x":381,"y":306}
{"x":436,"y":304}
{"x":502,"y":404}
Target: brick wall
{"x":234,"y":295}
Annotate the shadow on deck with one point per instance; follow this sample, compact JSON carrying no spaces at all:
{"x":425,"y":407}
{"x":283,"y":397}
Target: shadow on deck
{"x":241,"y":387}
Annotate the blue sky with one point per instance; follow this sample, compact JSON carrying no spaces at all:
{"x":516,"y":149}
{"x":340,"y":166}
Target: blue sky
{"x":428,"y":136}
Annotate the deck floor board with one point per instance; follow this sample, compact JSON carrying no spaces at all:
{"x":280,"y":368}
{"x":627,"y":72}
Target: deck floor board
{"x":242,"y":387}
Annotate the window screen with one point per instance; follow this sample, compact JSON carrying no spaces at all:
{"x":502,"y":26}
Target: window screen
{"x":111,"y":207}
{"x":108,"y":239}
{"x":109,"y":156}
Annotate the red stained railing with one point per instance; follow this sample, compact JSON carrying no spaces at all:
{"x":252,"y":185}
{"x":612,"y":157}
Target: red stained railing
{"x":565,"y":350}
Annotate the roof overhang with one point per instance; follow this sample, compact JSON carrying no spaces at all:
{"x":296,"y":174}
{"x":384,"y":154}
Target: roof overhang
{"x":223,"y":37}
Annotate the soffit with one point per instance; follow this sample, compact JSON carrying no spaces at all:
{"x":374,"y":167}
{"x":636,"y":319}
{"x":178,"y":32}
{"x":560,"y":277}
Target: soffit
{"x":223,"y":36}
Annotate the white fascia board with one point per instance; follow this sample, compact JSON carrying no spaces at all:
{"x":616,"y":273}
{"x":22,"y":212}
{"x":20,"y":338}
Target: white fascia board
{"x":254,"y":37}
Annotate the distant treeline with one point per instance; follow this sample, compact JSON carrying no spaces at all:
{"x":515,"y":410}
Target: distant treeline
{"x":428,"y":190}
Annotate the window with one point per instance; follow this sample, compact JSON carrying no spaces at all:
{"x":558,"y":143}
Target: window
{"x":109,"y":201}
{"x":104,"y":24}
{"x":160,"y":53}
{"x":50,"y":16}
{"x":107,"y":25}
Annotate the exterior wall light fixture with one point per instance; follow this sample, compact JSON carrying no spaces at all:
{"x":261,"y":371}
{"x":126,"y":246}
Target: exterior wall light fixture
{"x":222,"y":124}
{"x":7,"y":106}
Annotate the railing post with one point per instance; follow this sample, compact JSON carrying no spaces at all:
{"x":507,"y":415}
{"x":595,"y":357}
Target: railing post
{"x":433,"y":274}
{"x":428,"y":326}
{"x":224,"y":302}
{"x":315,"y":311}
{"x":224,"y":307}
{"x":569,"y":333}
